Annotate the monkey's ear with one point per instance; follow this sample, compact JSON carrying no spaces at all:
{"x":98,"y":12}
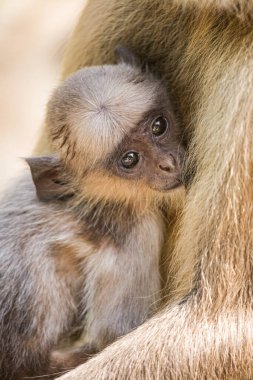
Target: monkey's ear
{"x":126,"y":55}
{"x":49,"y":178}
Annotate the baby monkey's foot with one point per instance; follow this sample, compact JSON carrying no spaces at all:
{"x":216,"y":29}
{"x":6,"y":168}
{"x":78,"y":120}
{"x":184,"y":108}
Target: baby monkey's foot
{"x":64,"y":360}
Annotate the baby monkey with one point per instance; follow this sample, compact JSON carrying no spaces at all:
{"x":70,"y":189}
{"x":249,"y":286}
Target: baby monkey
{"x":84,"y":248}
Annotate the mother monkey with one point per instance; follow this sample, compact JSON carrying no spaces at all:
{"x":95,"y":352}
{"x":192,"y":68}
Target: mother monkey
{"x":204,"y":50}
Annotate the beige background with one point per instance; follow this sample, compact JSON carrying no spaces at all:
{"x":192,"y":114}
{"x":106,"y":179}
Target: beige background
{"x":33,"y":34}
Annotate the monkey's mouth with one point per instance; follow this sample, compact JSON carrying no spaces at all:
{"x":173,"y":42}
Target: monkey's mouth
{"x":168,"y":186}
{"x":172,"y":186}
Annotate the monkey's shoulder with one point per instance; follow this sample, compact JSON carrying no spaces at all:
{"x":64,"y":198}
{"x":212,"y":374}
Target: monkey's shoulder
{"x":25,"y":220}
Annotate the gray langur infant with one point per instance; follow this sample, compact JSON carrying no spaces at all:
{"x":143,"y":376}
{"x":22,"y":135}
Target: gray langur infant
{"x":84,"y":248}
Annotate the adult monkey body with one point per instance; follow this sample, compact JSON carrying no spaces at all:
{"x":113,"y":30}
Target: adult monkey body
{"x":205,"y":52}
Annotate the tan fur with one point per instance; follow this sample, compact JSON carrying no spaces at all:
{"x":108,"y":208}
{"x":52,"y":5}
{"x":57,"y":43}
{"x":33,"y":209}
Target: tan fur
{"x":205,"y":53}
{"x":66,"y":260}
{"x":241,"y":8}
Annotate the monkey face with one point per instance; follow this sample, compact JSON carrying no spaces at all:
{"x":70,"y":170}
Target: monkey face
{"x":114,"y":128}
{"x":151,"y":154}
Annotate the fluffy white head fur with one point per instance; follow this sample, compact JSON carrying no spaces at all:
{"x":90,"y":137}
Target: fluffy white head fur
{"x":100,"y":105}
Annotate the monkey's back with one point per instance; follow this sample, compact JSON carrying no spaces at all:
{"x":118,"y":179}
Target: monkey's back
{"x":37,"y":298}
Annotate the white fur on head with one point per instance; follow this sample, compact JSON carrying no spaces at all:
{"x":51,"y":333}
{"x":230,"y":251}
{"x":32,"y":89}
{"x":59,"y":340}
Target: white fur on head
{"x":98,"y":106}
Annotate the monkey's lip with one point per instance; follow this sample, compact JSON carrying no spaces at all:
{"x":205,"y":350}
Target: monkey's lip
{"x":169,"y":187}
{"x":173,"y":186}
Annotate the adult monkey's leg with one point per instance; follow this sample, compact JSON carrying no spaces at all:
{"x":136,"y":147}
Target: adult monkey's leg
{"x":206,"y":57}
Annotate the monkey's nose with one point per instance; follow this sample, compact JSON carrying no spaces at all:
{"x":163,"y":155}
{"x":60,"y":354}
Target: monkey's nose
{"x":169,"y":165}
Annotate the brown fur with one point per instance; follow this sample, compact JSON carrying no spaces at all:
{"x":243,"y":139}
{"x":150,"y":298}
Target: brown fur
{"x":240,"y":8}
{"x":204,"y":51}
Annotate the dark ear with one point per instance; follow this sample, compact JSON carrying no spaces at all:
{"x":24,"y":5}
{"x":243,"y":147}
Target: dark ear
{"x":126,"y":55}
{"x":49,"y":178}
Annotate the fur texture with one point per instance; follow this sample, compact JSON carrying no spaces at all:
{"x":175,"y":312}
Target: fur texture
{"x":33,"y":287}
{"x":240,"y":8}
{"x":60,"y":272}
{"x":204,"y":52}
{"x":76,"y":256}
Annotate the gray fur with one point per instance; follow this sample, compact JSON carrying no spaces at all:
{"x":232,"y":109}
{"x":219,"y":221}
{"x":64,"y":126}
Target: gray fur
{"x":31,"y":296}
{"x":118,"y":287}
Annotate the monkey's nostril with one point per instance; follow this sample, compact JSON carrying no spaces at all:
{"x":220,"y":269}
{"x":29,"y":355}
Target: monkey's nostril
{"x":165,"y":168}
{"x":169,"y":165}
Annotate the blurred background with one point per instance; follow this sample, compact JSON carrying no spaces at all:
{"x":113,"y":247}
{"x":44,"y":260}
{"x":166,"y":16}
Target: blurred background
{"x":33,"y":34}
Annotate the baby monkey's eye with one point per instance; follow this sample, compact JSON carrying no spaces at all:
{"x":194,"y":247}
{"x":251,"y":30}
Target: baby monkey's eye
{"x":130,"y":159}
{"x":159,"y":126}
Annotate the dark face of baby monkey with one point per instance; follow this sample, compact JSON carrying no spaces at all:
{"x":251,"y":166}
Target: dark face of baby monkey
{"x":115,"y":128}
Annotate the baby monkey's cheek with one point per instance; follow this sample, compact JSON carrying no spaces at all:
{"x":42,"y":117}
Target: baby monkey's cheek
{"x":110,"y":187}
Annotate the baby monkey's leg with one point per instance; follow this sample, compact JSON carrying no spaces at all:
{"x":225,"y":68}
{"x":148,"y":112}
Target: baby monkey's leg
{"x":122,"y":289}
{"x":120,"y":294}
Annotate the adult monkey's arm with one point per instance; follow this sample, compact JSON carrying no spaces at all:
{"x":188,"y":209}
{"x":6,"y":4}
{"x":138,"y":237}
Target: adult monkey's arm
{"x":206,"y":57}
